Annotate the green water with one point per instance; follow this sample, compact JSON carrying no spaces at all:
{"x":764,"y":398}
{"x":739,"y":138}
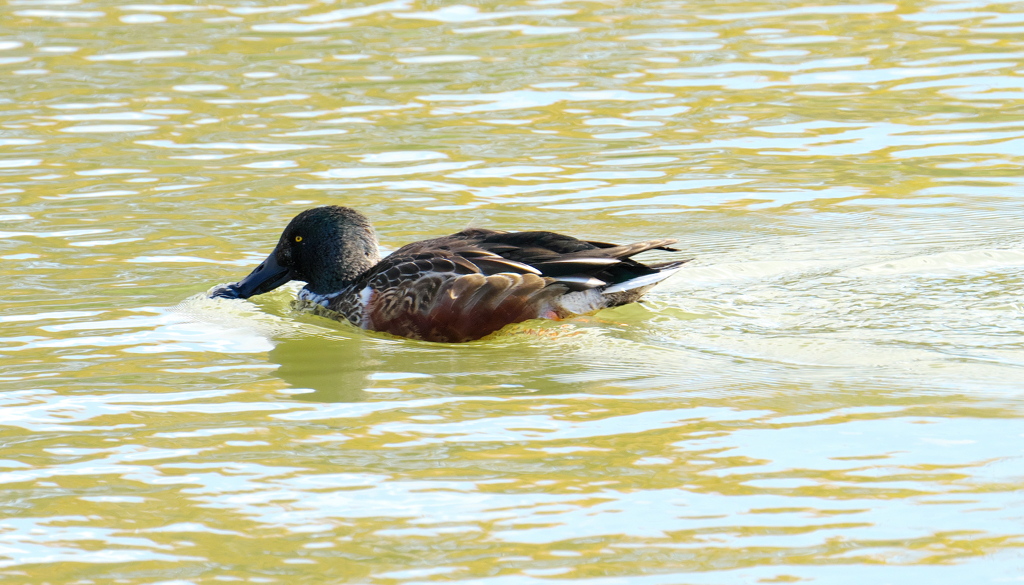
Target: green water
{"x":831,"y":393}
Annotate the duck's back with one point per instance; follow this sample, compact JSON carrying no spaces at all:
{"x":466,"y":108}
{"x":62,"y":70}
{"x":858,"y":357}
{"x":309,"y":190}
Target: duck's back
{"x":469,"y":284}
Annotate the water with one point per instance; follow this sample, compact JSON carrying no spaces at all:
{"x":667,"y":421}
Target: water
{"x":830,"y":393}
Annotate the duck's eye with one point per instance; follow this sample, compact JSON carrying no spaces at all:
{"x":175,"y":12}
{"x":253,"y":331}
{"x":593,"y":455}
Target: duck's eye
{"x":298,"y":238}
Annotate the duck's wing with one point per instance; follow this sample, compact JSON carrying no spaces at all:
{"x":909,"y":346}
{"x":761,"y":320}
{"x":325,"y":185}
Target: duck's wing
{"x":578,"y":264}
{"x":442,"y":296}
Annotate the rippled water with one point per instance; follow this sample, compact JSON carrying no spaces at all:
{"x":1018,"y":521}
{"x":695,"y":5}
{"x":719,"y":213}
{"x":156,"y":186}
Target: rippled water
{"x":830,"y":393}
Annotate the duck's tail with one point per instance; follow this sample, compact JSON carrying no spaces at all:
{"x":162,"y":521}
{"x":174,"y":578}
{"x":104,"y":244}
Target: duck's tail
{"x":613,"y":295}
{"x":646,"y":281}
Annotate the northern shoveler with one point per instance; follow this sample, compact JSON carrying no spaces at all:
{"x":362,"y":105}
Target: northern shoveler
{"x":451,"y":289}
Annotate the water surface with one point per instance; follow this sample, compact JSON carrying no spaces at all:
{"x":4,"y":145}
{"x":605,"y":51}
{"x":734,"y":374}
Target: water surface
{"x":830,"y":393}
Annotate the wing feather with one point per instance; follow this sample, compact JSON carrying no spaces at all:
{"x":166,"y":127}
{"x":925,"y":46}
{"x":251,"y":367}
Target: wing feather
{"x":497,"y":264}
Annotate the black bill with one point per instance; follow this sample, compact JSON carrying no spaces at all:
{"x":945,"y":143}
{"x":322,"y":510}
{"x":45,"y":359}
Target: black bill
{"x":265,"y":278}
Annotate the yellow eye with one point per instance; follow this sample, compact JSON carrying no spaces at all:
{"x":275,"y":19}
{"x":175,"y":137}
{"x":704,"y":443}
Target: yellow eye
{"x":298,"y":238}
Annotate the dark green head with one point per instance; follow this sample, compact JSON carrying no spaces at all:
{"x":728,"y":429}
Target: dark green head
{"x":327,"y":247}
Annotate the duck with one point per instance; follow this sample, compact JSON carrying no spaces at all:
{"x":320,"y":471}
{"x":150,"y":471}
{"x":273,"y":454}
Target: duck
{"x":450,"y":289}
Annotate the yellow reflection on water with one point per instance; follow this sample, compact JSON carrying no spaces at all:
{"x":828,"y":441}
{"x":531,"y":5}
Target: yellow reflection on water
{"x":830,"y":393}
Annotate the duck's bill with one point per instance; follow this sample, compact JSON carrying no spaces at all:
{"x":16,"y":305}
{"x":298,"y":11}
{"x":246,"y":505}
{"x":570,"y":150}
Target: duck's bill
{"x":265,"y":278}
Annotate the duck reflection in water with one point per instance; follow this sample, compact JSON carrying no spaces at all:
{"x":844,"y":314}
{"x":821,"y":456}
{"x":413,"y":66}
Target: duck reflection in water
{"x":335,"y":367}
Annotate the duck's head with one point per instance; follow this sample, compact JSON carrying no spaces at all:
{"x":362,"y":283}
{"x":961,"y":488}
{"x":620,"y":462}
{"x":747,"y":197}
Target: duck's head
{"x":327,"y":247}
